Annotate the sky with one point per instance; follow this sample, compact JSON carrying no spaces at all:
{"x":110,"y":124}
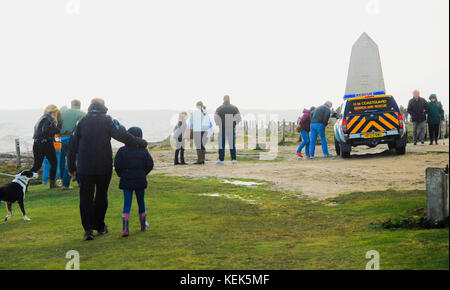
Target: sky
{"x":168,"y":54}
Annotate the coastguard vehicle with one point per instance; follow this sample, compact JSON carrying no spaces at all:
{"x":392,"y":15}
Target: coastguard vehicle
{"x":370,"y":120}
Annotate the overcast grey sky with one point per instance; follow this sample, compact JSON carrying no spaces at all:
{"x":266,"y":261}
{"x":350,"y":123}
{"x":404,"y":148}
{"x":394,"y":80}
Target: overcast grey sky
{"x":167,"y":54}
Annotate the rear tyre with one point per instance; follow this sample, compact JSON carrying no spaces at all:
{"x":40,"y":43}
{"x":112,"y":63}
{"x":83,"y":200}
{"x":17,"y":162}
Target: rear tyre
{"x":400,"y":150}
{"x":346,"y":149}
{"x":337,"y":146}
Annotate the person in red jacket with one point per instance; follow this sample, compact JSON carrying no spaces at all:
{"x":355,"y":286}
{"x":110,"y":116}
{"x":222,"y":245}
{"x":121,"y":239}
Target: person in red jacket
{"x":305,"y":128}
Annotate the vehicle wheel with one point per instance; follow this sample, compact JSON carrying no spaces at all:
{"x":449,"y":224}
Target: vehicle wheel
{"x":391,"y":146}
{"x":346,"y":149}
{"x":400,"y":150}
{"x":337,"y":147}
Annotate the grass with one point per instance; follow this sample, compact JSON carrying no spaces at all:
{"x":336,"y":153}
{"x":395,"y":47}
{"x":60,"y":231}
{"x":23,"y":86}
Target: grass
{"x":190,"y":231}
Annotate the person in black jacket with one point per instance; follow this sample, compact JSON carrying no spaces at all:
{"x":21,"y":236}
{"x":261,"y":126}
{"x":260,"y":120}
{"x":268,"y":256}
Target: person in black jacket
{"x":91,"y":140}
{"x":132,"y":165}
{"x":418,"y":108}
{"x":227,"y":117}
{"x":44,"y":133}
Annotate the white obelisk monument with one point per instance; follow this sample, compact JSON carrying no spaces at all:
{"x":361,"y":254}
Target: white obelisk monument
{"x":365,"y":75}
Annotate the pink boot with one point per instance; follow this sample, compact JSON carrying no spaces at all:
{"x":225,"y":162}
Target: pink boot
{"x":143,"y":220}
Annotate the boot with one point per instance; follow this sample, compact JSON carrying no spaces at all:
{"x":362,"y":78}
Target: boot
{"x":125,"y":223}
{"x":53,"y":184}
{"x":199,"y":157}
{"x":203,"y":156}
{"x":143,"y":220}
{"x":175,"y":162}
{"x":182,"y":162}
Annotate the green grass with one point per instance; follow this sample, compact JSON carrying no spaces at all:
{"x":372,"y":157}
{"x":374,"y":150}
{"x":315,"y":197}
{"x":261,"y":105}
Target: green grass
{"x":189,"y":231}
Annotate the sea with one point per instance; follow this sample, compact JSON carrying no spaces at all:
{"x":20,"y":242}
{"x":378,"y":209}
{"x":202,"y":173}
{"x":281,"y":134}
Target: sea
{"x":156,"y":125}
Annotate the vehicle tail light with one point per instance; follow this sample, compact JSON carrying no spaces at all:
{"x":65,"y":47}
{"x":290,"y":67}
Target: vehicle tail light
{"x":400,"y":118}
{"x":344,"y":126}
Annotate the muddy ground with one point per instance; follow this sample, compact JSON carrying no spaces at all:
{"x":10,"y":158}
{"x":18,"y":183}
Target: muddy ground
{"x":369,"y":169}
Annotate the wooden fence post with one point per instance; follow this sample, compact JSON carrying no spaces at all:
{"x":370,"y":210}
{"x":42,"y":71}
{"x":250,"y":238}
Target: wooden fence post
{"x":19,"y":161}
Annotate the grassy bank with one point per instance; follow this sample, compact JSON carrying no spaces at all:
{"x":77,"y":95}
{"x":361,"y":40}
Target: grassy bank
{"x":250,"y":228}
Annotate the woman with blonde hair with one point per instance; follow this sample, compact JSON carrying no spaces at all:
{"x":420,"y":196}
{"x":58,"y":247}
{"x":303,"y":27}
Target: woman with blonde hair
{"x":58,"y":146}
{"x":44,"y":134}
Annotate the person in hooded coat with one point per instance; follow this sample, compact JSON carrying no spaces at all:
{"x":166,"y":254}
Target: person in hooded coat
{"x":91,"y":140}
{"x":132,"y":165}
{"x":434,"y":118}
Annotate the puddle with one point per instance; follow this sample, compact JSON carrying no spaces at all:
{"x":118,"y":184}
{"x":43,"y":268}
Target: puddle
{"x":232,"y":196}
{"x":242,"y":183}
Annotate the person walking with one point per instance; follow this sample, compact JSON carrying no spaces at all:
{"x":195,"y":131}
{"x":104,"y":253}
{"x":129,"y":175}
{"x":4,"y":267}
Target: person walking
{"x":68,"y":121}
{"x":199,"y":125}
{"x":418,"y":109}
{"x":57,"y":144}
{"x":305,"y":128}
{"x":227,"y":116}
{"x":319,"y":121}
{"x":43,"y":146}
{"x":180,"y":140}
{"x":132,"y":165}
{"x":91,"y":141}
{"x":434,"y":118}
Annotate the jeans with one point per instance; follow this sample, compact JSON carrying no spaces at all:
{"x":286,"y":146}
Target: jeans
{"x":231,"y":136}
{"x":65,"y":141}
{"x":419,"y":130}
{"x":128,"y":200}
{"x":93,"y":205}
{"x":318,"y":129}
{"x":305,"y":142}
{"x":47,"y":166}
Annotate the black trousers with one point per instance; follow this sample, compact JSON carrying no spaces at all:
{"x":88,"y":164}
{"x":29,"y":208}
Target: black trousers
{"x":434,"y":132}
{"x":44,"y":149}
{"x":94,"y":200}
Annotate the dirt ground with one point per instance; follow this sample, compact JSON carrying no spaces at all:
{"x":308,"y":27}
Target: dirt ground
{"x":369,"y":169}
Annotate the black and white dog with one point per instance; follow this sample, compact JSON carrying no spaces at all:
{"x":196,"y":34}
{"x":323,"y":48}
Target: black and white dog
{"x":15,"y":192}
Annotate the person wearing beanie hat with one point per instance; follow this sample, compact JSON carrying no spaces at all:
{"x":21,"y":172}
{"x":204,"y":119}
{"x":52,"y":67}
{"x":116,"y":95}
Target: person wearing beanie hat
{"x":434,"y":118}
{"x":132,"y":165}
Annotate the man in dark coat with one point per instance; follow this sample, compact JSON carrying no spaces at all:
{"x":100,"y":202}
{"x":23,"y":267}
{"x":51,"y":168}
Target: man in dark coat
{"x":227,"y":117}
{"x":91,"y":140}
{"x":418,"y":109}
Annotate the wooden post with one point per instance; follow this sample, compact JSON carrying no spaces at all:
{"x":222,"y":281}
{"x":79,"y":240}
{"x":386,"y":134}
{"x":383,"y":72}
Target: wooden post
{"x":19,"y":161}
{"x":445,"y":135}
{"x":437,"y":195}
{"x":283,"y":125}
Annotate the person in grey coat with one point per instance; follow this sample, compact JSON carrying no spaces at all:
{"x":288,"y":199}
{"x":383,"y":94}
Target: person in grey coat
{"x":179,"y":136}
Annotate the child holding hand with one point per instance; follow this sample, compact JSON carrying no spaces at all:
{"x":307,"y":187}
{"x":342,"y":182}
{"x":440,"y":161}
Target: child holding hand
{"x":132,"y":165}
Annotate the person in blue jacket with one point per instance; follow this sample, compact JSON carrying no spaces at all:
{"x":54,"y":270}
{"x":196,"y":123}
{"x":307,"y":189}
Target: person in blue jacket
{"x":132,"y":165}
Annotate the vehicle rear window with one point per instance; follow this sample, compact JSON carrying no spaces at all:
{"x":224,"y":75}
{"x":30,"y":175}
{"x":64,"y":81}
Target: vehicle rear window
{"x":371,"y":105}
